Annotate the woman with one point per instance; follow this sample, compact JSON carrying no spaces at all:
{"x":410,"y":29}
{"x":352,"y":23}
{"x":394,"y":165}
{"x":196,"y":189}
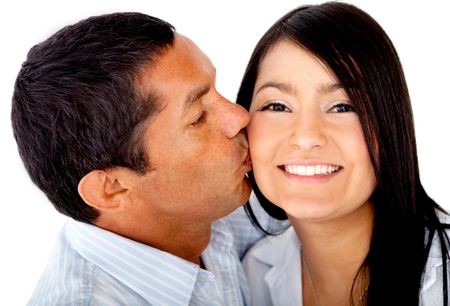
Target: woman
{"x":332,"y":144}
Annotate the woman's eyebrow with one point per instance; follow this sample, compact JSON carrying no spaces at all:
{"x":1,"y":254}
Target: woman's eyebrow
{"x":329,"y":88}
{"x":286,"y":88}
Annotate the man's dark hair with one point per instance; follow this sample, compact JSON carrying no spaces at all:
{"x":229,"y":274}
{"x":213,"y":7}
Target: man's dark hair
{"x":77,"y":105}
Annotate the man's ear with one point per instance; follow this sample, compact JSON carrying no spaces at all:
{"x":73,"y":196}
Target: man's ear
{"x":103,"y":190}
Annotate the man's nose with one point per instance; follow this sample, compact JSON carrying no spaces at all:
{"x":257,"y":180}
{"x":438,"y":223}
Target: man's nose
{"x":234,"y":118}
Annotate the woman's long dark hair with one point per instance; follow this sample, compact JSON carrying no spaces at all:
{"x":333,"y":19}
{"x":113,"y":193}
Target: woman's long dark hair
{"x":358,"y":51}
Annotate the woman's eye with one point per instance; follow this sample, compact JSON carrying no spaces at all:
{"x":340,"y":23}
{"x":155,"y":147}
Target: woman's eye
{"x":275,"y":107}
{"x":342,"y":108}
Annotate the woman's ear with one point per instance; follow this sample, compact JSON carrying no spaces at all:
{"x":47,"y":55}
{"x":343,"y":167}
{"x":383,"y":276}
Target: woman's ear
{"x":102,"y":189}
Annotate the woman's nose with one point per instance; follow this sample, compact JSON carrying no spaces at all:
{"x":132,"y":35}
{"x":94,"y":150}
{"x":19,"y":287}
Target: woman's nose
{"x":307,"y":132}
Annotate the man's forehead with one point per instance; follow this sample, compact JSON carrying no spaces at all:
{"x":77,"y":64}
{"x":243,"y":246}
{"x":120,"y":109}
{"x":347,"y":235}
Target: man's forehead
{"x":185,"y":49}
{"x":183,"y":61}
{"x":179,"y":72}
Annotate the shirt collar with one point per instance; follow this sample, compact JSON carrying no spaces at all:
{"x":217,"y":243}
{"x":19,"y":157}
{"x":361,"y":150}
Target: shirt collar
{"x":159,"y":277}
{"x":434,"y":261}
{"x":283,"y":279}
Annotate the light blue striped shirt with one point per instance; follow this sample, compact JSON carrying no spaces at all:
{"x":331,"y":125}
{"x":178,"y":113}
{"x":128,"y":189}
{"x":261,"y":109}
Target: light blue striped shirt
{"x":92,"y":266}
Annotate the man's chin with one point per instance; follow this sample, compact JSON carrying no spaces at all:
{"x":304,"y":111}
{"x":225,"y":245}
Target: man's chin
{"x":247,"y":190}
{"x":241,"y":197}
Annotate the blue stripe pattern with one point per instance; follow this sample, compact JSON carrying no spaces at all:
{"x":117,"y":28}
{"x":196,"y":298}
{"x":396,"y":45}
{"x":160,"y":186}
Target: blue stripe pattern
{"x":92,"y":266}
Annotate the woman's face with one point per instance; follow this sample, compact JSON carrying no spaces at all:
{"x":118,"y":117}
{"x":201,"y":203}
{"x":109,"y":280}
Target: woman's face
{"x":308,"y":150}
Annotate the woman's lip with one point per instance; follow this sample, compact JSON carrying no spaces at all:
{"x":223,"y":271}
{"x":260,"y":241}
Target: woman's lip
{"x":308,"y":162}
{"x":319,"y":177}
{"x":310,"y":169}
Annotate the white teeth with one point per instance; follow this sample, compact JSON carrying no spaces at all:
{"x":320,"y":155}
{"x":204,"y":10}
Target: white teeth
{"x":300,"y":170}
{"x":318,"y":169}
{"x":311,"y":170}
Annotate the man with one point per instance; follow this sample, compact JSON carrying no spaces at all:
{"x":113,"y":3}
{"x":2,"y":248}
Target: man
{"x":118,"y":121}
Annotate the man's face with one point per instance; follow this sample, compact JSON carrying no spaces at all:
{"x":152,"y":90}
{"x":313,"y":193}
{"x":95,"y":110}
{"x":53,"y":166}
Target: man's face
{"x":196,"y":150}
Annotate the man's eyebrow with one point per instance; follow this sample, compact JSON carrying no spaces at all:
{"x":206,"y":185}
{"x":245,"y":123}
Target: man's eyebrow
{"x":196,"y":94}
{"x":286,"y":88}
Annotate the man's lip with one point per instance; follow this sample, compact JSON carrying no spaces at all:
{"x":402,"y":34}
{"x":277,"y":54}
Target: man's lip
{"x":248,"y":160}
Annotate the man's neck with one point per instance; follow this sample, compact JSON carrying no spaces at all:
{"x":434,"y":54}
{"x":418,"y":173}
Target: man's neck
{"x":187,"y":244}
{"x":186,"y":241}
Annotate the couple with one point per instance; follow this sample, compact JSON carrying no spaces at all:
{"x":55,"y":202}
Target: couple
{"x":118,"y":121}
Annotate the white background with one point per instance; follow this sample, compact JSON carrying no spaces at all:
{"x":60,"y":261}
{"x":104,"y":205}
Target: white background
{"x":227,"y":31}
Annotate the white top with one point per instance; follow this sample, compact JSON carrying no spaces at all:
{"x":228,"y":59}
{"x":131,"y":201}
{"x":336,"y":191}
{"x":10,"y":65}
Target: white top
{"x":273,"y":268}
